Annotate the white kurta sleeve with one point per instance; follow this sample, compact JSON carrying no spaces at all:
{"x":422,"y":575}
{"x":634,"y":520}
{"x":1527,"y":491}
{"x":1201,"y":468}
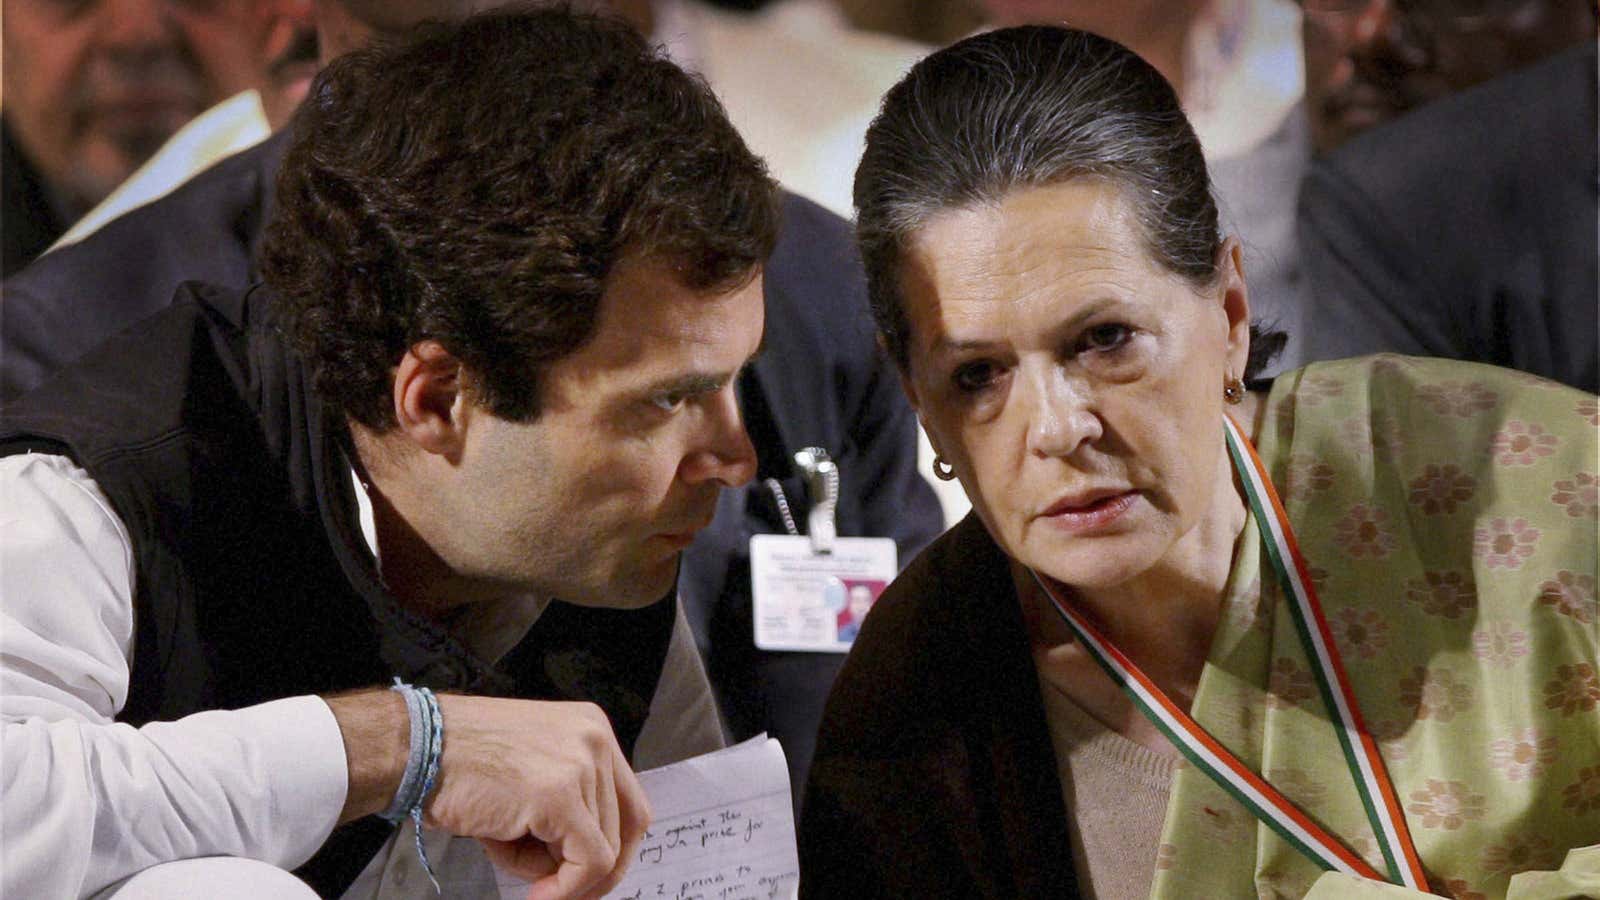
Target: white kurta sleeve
{"x":88,"y":801}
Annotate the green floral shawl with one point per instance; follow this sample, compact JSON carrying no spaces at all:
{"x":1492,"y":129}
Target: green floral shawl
{"x":1447,"y":512}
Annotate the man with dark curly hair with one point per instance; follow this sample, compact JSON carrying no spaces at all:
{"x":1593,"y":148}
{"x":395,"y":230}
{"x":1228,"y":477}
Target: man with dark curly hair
{"x":820,"y":382}
{"x":514,"y":276}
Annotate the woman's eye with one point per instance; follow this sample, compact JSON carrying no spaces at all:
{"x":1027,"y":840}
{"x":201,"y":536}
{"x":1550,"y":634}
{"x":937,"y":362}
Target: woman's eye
{"x":972,"y":377}
{"x":1105,"y":337}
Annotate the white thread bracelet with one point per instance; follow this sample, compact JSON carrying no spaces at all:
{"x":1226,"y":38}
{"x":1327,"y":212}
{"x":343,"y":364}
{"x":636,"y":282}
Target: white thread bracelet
{"x":422,"y":764}
{"x":416,"y":761}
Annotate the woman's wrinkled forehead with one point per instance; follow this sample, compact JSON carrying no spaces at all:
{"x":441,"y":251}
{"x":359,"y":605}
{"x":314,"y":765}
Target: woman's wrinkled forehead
{"x":1015,"y":233}
{"x":983,"y":268}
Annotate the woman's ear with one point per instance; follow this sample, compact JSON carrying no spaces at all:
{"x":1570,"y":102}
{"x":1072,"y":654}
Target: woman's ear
{"x":1234,"y":297}
{"x":430,"y":399}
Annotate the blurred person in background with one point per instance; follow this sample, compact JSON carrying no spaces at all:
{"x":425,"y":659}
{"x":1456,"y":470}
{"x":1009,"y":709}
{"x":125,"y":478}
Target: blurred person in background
{"x":93,"y":89}
{"x":799,"y":81}
{"x":279,"y":33}
{"x":1370,"y":61}
{"x":1467,"y":228}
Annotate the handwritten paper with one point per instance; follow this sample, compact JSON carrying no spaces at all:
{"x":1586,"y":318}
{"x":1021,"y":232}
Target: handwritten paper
{"x":723,"y":830}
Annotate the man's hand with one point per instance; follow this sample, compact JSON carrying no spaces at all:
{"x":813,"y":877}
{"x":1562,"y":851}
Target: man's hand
{"x":543,"y":785}
{"x":546,"y":788}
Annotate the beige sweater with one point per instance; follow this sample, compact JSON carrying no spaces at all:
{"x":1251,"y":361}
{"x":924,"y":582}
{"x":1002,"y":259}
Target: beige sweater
{"x":1116,"y":795}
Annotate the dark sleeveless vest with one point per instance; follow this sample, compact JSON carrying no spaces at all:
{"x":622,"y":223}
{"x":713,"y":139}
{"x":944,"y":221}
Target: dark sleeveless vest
{"x":252,"y":579}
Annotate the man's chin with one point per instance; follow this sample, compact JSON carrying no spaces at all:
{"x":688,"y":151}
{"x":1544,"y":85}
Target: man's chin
{"x":645,"y":586}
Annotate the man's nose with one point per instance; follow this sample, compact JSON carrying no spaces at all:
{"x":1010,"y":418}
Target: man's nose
{"x":135,"y":25}
{"x":1387,"y":36}
{"x":1060,"y":416}
{"x":726,"y":454}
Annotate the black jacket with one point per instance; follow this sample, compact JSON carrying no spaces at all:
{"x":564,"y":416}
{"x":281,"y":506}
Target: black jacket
{"x":29,"y":223}
{"x":252,"y":579}
{"x":934,"y":774}
{"x":820,"y":382}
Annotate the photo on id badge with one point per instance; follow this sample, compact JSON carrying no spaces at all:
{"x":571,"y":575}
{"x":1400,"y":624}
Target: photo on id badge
{"x":849,"y":599}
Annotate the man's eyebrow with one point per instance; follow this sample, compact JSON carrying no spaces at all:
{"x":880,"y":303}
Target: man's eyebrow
{"x":690,"y":384}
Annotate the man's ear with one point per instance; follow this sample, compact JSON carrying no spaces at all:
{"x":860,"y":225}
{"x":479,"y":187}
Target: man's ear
{"x":1234,"y":296}
{"x":430,"y":399}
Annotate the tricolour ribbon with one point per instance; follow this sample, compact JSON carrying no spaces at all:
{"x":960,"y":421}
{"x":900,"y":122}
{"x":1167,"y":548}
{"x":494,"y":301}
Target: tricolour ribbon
{"x":1225,"y":768}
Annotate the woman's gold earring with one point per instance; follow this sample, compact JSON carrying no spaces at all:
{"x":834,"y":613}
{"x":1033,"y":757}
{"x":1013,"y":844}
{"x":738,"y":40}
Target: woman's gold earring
{"x":1233,"y":390}
{"x":943,"y":470}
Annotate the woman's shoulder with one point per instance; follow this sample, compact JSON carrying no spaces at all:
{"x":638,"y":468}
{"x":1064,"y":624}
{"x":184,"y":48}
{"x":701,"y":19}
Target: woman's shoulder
{"x":1395,"y":376}
{"x":963,"y":557}
{"x":1389,"y":402}
{"x":1440,"y":498}
{"x":949,"y":610}
{"x":962,"y":574}
{"x":1446,"y":515}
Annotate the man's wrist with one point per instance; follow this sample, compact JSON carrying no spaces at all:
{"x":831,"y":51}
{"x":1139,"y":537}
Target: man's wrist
{"x":377,"y":740}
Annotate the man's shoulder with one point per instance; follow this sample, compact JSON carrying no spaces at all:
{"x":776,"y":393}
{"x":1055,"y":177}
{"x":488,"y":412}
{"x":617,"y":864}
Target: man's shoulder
{"x":71,"y":299}
{"x":184,"y":227}
{"x":223,"y":131}
{"x":1534,"y":110}
{"x":816,"y":261}
{"x":819,"y":327}
{"x":816,"y":292}
{"x":130,"y":388}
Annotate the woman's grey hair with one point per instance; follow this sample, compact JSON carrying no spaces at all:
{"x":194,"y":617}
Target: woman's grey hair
{"x":1028,"y":107}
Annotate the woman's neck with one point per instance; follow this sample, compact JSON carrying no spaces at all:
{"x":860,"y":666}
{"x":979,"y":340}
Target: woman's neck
{"x":1163,"y":619}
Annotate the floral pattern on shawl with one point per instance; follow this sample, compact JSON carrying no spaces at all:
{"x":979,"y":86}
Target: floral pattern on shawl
{"x":1456,"y":547}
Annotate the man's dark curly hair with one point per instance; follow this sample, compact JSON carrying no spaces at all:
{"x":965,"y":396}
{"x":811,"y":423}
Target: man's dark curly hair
{"x":475,"y":185}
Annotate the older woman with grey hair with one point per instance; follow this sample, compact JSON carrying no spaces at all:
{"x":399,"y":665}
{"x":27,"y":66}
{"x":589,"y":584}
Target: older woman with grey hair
{"x":1197,"y":638}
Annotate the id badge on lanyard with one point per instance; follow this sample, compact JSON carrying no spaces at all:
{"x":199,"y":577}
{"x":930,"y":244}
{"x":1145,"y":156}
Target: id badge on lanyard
{"x":811,"y":591}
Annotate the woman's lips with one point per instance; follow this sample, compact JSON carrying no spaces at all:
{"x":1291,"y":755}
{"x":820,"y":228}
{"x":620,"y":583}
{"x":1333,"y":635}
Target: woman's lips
{"x":1090,"y":515}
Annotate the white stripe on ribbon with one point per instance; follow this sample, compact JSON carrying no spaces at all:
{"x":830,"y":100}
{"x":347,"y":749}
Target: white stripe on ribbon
{"x":1362,"y":750}
{"x":1184,"y":730}
{"x":1229,"y":771}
